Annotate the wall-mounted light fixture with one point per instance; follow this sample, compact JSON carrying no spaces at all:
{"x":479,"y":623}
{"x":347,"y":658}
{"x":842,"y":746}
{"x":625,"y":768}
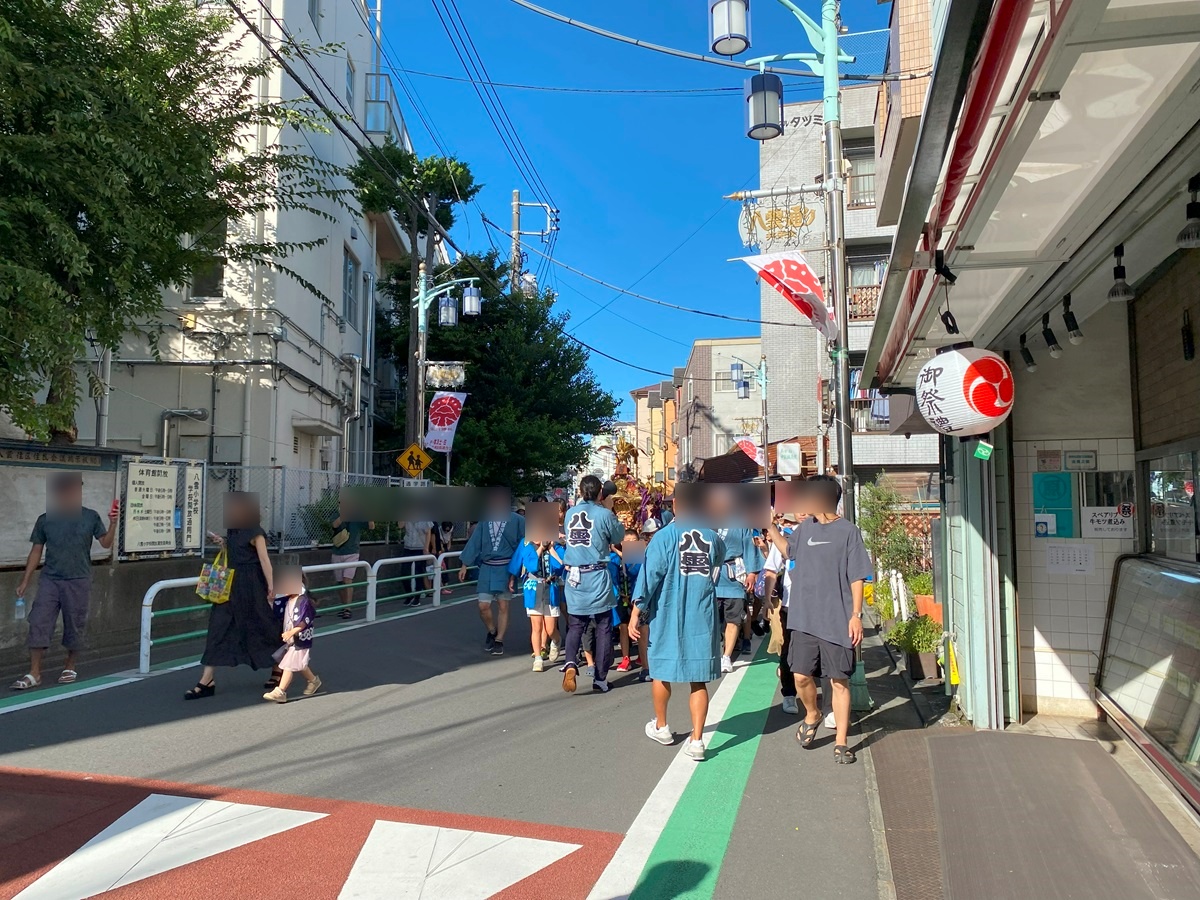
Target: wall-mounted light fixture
{"x":1074,"y":333}
{"x":1027,"y":357}
{"x":1051,"y":341}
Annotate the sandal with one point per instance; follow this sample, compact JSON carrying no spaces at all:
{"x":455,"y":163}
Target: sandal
{"x":806,"y":734}
{"x":68,"y":676}
{"x":843,"y":755}
{"x":201,"y":690}
{"x":345,"y":614}
{"x":24,"y":683}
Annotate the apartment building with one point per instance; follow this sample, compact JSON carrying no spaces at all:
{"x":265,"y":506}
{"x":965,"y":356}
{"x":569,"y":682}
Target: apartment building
{"x":252,"y":368}
{"x":656,"y":409}
{"x":712,"y":418}
{"x":798,"y":358}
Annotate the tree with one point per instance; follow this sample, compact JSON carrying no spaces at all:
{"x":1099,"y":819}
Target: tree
{"x":123,"y":128}
{"x":533,"y":398}
{"x":391,"y":179}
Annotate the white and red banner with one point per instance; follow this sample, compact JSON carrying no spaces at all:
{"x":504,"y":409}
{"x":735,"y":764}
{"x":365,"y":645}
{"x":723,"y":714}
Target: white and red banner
{"x":444,"y":412}
{"x":752,"y":450}
{"x":791,"y":276}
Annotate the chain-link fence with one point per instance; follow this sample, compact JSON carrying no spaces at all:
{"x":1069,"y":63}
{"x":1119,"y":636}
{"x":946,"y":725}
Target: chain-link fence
{"x":298,"y":505}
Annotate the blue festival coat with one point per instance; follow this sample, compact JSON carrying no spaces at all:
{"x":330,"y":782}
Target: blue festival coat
{"x":591,"y":530}
{"x":530,"y":567}
{"x":493,"y":558}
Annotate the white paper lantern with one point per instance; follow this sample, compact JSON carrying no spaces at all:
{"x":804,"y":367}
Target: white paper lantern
{"x":965,"y":391}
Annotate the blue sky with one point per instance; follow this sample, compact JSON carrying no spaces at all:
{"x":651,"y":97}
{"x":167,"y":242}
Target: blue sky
{"x":635,"y":175}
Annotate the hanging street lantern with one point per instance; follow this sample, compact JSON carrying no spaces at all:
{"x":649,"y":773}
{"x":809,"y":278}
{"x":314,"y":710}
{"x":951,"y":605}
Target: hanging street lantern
{"x":764,"y":106}
{"x":965,"y":391}
{"x":730,"y":26}
{"x":472,"y":301}
{"x":447,"y":311}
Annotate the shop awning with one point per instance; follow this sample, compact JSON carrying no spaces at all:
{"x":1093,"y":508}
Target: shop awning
{"x":1077,"y":131}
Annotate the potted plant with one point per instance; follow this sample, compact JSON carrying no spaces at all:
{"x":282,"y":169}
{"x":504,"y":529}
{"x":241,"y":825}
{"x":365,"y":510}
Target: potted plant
{"x":920,"y":586}
{"x":885,"y":604}
{"x":919,"y":638}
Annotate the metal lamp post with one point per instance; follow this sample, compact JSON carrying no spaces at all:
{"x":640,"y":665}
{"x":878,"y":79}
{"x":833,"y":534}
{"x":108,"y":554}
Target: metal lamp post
{"x":764,"y":110}
{"x":737,"y":375}
{"x":447,"y":316}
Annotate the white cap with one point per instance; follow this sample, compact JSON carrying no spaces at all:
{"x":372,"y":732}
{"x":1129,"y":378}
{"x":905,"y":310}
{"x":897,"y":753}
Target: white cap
{"x":649,"y":526}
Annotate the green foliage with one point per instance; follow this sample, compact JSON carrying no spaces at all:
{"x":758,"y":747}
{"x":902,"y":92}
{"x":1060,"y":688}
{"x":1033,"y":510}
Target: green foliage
{"x":532,"y":395}
{"x":920,"y":634}
{"x":920,"y":583}
{"x":885,"y":603}
{"x":123,"y":127}
{"x":887,"y":541}
{"x":443,"y":179}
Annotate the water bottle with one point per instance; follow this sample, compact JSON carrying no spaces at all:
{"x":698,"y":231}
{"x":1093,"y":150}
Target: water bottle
{"x":19,"y":611}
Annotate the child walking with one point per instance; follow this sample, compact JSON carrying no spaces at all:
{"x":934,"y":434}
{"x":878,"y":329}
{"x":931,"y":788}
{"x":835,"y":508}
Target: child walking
{"x":538,"y":565}
{"x":298,"y":617}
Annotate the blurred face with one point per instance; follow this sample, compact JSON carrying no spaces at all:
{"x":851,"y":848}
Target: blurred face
{"x":241,"y":510}
{"x":541,"y":523}
{"x":499,"y":503}
{"x":64,"y":499}
{"x":289,"y":582}
{"x":633,"y":551}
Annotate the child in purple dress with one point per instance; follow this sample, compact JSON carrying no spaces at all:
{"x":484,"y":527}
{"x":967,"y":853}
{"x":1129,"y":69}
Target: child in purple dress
{"x":298,"y":617}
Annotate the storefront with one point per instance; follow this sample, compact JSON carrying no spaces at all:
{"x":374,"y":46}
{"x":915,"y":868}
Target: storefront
{"x":1049,"y":231}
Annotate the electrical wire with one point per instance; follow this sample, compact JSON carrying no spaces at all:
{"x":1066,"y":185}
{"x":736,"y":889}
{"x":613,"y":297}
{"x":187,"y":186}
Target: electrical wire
{"x":663,"y":303}
{"x":662,"y":92}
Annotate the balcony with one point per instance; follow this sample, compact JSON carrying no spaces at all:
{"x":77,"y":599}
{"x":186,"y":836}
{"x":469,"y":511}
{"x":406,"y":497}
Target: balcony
{"x":383,"y":110}
{"x":863,"y":302}
{"x":871,"y":416}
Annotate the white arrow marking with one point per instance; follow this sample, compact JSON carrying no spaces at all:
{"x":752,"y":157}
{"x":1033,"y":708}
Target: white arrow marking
{"x":400,"y":861}
{"x":159,"y":834}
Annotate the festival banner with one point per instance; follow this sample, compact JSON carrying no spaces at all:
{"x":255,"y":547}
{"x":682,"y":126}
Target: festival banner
{"x":444,"y":413}
{"x":792,"y":277}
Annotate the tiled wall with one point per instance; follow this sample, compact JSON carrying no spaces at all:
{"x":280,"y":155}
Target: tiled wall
{"x":1061,"y":617}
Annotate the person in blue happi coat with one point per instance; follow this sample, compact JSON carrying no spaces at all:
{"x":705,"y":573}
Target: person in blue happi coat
{"x":743,"y":561}
{"x":592,"y":531}
{"x":538,"y":566}
{"x":676,"y":595}
{"x":491,"y":548}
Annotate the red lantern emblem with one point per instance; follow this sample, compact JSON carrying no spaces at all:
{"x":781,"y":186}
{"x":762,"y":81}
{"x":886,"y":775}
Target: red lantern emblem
{"x":988,"y":386}
{"x":444,"y":411}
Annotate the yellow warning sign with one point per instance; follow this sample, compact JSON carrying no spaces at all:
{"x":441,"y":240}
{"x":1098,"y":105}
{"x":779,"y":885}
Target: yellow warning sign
{"x":414,"y":460}
{"x":953,"y":662}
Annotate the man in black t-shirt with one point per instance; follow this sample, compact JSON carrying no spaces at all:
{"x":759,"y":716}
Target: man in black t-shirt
{"x":830,"y":566}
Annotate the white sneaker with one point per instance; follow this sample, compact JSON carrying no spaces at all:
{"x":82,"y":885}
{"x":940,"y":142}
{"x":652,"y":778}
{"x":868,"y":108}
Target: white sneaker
{"x":830,"y":721}
{"x":538,"y":664}
{"x":726,"y":665}
{"x":662,"y":735}
{"x":555,"y":652}
{"x":790,"y":706}
{"x":694,"y":749}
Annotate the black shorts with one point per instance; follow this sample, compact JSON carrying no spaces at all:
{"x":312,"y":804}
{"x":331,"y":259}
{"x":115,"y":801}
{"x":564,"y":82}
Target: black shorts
{"x":733,"y":610}
{"x":625,"y":611}
{"x":817,"y":658}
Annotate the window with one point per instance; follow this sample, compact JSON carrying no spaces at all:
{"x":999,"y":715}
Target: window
{"x":296,"y":444}
{"x":723,"y":383}
{"x":866,"y":276}
{"x":671,"y":474}
{"x":350,"y":85}
{"x":314,"y":13}
{"x":658,"y":476}
{"x":861,"y":188}
{"x":209,"y":279}
{"x":350,"y":288}
{"x":650,"y":445}
{"x":723,"y":442}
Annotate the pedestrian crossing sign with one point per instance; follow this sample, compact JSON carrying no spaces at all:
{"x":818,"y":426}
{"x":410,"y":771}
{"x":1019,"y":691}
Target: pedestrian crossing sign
{"x":414,"y":460}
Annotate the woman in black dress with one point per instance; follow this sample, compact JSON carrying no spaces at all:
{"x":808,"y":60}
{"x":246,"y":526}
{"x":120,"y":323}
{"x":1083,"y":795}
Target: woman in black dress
{"x":243,"y":631}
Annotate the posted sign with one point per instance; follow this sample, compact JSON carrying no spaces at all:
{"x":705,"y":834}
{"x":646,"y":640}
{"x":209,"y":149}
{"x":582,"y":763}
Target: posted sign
{"x":149,"y":508}
{"x":1107,"y":521}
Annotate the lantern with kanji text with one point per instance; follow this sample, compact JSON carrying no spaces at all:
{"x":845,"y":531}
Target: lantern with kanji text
{"x":965,"y":391}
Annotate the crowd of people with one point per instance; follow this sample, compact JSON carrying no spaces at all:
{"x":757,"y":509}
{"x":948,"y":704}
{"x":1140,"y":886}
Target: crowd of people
{"x":678,"y":597}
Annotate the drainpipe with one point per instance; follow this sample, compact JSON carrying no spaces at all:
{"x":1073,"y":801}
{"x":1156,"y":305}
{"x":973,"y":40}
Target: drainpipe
{"x":352,"y":359}
{"x":196,"y":415}
{"x":102,"y":414}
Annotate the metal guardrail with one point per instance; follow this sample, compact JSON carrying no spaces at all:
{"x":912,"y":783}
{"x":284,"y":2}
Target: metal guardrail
{"x":372,"y":602}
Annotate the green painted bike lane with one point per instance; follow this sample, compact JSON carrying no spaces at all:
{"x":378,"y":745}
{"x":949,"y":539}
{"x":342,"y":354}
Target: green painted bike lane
{"x":686,"y":859}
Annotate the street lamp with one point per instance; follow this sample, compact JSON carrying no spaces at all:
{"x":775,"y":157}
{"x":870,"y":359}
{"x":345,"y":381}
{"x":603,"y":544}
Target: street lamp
{"x":764,"y":106}
{"x":764,"y":102}
{"x":730,"y":31}
{"x":447,"y":317}
{"x":738,"y":375}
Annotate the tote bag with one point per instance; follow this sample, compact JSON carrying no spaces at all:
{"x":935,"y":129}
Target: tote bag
{"x":216,"y":579}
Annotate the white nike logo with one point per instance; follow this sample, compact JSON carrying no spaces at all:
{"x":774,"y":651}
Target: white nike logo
{"x":813,"y":543}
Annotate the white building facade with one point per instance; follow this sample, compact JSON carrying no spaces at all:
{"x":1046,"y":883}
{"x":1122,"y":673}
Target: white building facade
{"x":253,"y":368}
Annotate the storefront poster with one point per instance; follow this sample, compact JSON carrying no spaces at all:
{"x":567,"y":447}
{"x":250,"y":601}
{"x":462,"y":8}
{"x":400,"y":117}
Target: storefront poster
{"x":1045,"y":525}
{"x":149,"y":508}
{"x":1054,"y":494}
{"x":1049,"y":460}
{"x":1107,"y":521}
{"x":193,"y":508}
{"x":1070,"y":559}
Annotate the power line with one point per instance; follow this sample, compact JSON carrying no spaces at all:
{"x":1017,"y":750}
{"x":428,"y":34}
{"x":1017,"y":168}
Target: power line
{"x":628,"y":293}
{"x":664,"y":92}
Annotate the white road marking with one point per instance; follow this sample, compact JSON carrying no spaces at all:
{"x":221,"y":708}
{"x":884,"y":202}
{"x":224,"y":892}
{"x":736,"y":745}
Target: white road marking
{"x":621,"y":874}
{"x":402,"y":861}
{"x":161,"y":833}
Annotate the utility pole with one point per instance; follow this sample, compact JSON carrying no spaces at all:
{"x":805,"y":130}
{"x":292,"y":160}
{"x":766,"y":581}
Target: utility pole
{"x":835,"y":215}
{"x":514,"y":280}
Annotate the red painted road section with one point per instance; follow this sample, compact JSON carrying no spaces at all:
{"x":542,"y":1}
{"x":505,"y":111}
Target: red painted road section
{"x":47,"y":816}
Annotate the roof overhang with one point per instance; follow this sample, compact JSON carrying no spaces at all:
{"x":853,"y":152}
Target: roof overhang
{"x":1090,"y":142}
